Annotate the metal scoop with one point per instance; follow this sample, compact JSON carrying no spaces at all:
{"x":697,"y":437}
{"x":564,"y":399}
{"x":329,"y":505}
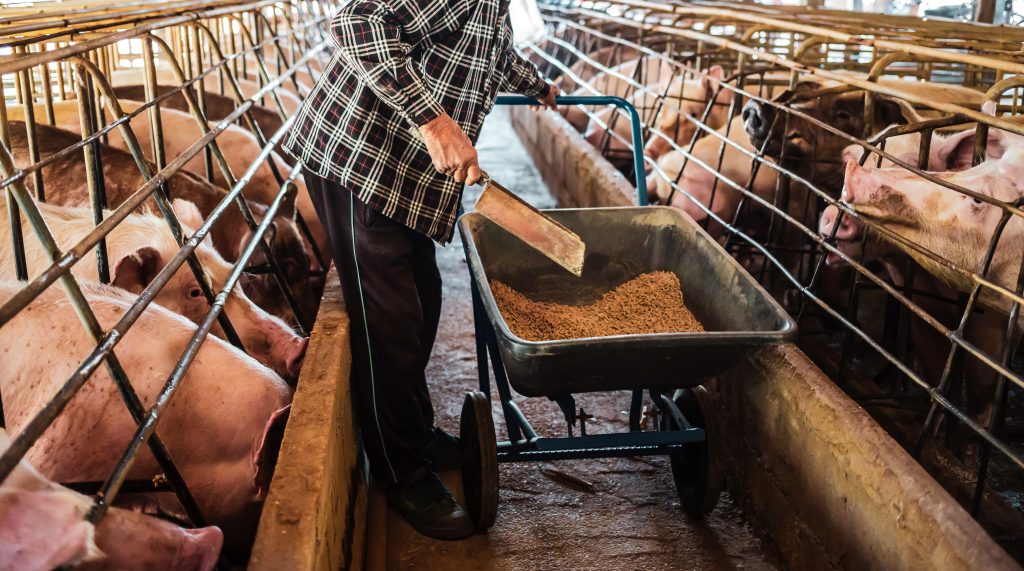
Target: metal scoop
{"x":530,"y":225}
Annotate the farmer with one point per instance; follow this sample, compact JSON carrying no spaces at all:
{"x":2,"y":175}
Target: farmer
{"x":386,"y":141}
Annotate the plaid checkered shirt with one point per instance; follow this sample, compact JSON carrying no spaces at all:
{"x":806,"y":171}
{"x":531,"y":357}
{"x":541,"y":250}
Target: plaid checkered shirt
{"x":400,"y":64}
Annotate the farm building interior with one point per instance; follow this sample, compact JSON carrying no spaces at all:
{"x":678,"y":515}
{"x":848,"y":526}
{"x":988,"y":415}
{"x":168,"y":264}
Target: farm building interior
{"x":768,"y":314}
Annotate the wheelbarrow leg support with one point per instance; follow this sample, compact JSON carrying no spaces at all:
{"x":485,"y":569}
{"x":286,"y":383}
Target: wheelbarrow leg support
{"x":568,"y":406}
{"x":636,"y":410}
{"x":479,"y":329}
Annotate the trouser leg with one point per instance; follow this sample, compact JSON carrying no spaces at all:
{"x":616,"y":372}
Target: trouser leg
{"x":391,"y":287}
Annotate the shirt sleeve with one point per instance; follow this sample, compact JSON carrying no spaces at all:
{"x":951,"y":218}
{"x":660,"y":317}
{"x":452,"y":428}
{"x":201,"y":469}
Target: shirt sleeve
{"x":376,"y":37}
{"x":517,"y":74}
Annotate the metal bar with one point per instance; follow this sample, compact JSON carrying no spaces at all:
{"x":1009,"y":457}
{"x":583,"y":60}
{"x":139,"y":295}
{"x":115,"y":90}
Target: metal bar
{"x":94,"y":179}
{"x":638,"y":141}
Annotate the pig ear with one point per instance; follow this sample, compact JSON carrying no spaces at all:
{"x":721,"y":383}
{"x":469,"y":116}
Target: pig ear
{"x":891,"y":112}
{"x":287,"y":208}
{"x":264,"y":456}
{"x":1011,"y":167}
{"x":957,"y":152}
{"x":187,"y":212}
{"x":713,"y":78}
{"x":134,"y":271}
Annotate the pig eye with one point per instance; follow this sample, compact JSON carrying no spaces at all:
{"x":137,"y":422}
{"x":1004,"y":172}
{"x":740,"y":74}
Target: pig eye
{"x":842,"y":116}
{"x":977,"y":200}
{"x":195,"y":293}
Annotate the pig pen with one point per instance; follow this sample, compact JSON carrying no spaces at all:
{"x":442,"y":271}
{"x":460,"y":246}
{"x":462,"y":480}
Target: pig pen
{"x":902,"y":332}
{"x":161,"y":269}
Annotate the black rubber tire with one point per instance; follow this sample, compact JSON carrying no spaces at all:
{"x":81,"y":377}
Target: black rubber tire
{"x":479,"y":460}
{"x":696,"y":473}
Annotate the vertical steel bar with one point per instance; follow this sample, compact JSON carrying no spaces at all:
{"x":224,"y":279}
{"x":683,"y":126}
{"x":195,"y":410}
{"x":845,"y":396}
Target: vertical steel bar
{"x":30,"y":132}
{"x":13,"y":211}
{"x":94,"y":178}
{"x":149,"y":87}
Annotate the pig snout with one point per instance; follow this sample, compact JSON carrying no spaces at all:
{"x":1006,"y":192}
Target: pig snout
{"x":848,"y":231}
{"x":847,"y":236}
{"x":853,"y":182}
{"x":266,"y":338}
{"x":133,"y":541}
{"x":200,"y":549}
{"x":756,"y":120}
{"x":296,"y":354}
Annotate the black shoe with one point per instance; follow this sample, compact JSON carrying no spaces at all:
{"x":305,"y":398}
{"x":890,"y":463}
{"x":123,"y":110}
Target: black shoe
{"x":429,"y":507}
{"x":444,"y":452}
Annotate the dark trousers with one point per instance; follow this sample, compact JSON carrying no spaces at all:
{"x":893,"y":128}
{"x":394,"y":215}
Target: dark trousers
{"x":392,"y":291}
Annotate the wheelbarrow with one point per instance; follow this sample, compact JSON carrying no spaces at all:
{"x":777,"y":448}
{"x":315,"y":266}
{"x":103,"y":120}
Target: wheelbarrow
{"x":622,"y":242}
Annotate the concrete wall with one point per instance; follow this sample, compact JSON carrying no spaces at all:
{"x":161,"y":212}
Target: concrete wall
{"x":314,"y":517}
{"x":830,"y":489}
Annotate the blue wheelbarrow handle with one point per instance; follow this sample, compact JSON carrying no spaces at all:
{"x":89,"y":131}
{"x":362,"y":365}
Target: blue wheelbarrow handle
{"x":638,"y":145}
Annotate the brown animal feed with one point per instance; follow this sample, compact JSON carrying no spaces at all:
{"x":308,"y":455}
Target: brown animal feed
{"x":648,"y":303}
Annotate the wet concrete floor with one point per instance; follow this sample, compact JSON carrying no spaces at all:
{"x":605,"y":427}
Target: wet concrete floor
{"x":631,"y":521}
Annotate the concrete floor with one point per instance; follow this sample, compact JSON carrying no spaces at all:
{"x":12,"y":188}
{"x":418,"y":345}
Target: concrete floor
{"x":632,"y":520}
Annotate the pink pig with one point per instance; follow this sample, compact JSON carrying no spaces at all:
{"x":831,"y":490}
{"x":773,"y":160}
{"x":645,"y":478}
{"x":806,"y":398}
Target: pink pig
{"x":42,"y":526}
{"x":221,"y":426}
{"x":953,"y":225}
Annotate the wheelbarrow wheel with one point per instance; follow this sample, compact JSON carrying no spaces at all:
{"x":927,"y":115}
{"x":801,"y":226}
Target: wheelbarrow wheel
{"x":696,"y":473}
{"x":479,"y":460}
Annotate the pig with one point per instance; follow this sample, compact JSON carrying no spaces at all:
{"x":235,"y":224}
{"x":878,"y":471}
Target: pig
{"x":211,"y":84}
{"x":585,"y":70}
{"x":686,"y":99}
{"x":217,"y":106}
{"x":43,"y":527}
{"x":180,"y":131}
{"x":698,"y":181}
{"x":652,"y":70}
{"x":304,"y":80}
{"x":683,"y":98}
{"x":141,"y":246}
{"x":952,"y":225}
{"x":986,"y":329}
{"x":65,"y":184}
{"x":952,"y":153}
{"x":222,"y":426}
{"x":264,"y":187}
{"x":815,"y":153}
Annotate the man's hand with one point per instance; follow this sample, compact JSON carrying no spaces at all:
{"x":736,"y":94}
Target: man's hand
{"x":548,"y":100}
{"x":450,"y":149}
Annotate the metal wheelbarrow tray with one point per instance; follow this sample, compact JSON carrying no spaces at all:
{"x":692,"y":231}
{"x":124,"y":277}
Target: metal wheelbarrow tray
{"x":622,"y":243}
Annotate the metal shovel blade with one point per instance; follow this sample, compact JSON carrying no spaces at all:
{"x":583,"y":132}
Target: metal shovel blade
{"x":530,"y":225}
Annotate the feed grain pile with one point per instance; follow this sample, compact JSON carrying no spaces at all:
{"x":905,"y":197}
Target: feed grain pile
{"x":648,"y":303}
